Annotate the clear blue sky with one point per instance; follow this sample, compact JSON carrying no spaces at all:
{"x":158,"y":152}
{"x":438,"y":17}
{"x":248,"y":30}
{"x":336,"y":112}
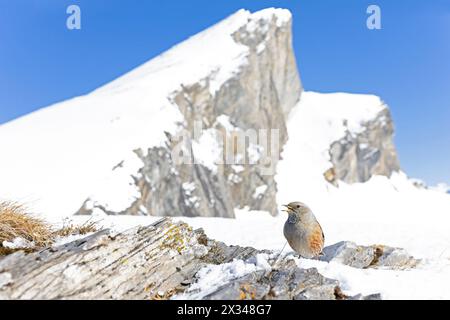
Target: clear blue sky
{"x":407,"y":63}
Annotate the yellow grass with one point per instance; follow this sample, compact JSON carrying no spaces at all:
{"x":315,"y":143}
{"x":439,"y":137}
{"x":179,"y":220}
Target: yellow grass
{"x":71,"y":229}
{"x":15,"y":222}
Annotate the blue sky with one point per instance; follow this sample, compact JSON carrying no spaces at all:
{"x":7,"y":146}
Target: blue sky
{"x":407,"y":62}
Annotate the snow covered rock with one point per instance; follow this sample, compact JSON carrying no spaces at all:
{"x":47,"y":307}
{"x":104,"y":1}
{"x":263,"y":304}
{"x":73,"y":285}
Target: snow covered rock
{"x":362,"y":257}
{"x":287,"y":282}
{"x":359,"y":156}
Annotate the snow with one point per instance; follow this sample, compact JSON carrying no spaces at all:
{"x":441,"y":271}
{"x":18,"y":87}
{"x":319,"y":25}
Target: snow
{"x":207,"y":150}
{"x":188,"y":187}
{"x":254,"y":153}
{"x":260,"y":48}
{"x":191,"y":200}
{"x":259,"y":191}
{"x":212,"y":277}
{"x":224,"y":120}
{"x":73,"y":145}
{"x":441,"y":187}
{"x":18,"y":243}
{"x":118,"y":190}
{"x":282,"y":16}
{"x":419,"y":283}
{"x":238,"y":168}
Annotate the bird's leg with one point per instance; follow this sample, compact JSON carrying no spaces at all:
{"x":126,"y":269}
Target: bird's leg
{"x":279,"y":255}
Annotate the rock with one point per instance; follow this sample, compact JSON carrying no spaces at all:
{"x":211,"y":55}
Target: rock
{"x":289,"y":281}
{"x":376,"y":256}
{"x":143,"y":263}
{"x":286,"y":282}
{"x":393,"y":258}
{"x":244,"y":288}
{"x":160,"y":261}
{"x":357,"y":157}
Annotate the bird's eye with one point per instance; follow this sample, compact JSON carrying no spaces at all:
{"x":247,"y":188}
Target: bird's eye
{"x":298,"y":207}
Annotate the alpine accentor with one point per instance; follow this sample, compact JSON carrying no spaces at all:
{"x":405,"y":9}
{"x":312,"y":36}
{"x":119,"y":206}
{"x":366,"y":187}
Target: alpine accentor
{"x":302,"y":231}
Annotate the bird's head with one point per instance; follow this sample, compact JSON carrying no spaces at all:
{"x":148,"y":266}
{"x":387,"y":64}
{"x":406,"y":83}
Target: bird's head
{"x":297,"y":211}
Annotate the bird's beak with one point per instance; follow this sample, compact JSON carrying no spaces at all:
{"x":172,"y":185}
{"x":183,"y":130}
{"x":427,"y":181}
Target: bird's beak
{"x":288,"y":208}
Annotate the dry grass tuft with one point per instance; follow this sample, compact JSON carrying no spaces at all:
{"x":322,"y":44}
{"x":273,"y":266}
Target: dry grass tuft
{"x":15,"y":223}
{"x":5,"y":251}
{"x":72,"y":229}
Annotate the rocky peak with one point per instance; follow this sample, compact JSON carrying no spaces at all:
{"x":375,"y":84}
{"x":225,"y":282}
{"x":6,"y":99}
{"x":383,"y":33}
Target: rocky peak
{"x":195,"y":103}
{"x":257,"y":95}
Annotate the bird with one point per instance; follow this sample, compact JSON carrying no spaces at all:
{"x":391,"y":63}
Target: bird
{"x":302,"y":231}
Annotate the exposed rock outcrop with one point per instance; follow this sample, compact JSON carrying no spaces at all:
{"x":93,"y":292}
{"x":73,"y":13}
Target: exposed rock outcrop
{"x":376,"y":256}
{"x":357,"y":157}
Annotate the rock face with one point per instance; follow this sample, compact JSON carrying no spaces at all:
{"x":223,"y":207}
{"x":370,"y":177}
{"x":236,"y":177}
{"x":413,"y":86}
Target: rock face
{"x":161,"y":261}
{"x":253,"y":101}
{"x":357,"y":157}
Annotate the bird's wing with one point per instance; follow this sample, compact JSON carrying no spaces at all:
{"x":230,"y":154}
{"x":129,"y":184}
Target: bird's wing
{"x":323,"y":235}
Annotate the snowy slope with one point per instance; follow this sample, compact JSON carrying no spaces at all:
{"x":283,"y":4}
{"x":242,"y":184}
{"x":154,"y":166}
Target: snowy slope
{"x":317,"y":122}
{"x":441,"y":187}
{"x":67,"y":151}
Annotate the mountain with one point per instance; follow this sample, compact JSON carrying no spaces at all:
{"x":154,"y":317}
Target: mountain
{"x":109,"y":150}
{"x":112,"y":150}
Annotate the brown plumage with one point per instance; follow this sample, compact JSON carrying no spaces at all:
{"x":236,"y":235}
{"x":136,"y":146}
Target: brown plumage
{"x":316,"y":240}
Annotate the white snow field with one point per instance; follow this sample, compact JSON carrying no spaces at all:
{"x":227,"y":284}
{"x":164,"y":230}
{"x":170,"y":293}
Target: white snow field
{"x":63,"y":154}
